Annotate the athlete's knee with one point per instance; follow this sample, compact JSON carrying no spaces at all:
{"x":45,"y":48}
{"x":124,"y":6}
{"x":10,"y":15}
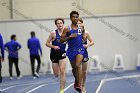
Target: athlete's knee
{"x":74,"y":69}
{"x":78,"y":65}
{"x":56,"y":73}
{"x":62,"y":73}
{"x":84,"y":72}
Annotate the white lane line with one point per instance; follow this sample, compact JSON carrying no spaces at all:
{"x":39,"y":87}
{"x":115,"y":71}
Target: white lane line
{"x":101,"y":84}
{"x":36,"y":88}
{"x":8,"y":88}
{"x":116,"y":78}
{"x":27,"y":88}
{"x":123,"y":77}
{"x":15,"y":84}
{"x":18,"y":83}
{"x":68,"y":87}
{"x":33,"y":85}
{"x":22,"y":85}
{"x":86,"y":81}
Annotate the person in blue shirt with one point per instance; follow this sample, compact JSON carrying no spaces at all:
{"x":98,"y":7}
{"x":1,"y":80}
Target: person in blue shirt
{"x":34,"y":48}
{"x":87,"y":42}
{"x":58,"y":53}
{"x":13,"y":47}
{"x":1,"y":55}
{"x":73,"y":34}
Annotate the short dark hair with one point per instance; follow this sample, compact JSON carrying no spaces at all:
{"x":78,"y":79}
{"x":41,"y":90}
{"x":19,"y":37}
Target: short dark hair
{"x":59,"y":19}
{"x":81,"y":20}
{"x":73,"y":12}
{"x":13,"y":36}
{"x":32,"y":33}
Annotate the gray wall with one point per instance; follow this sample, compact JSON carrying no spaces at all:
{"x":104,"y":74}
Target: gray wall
{"x":108,"y":42}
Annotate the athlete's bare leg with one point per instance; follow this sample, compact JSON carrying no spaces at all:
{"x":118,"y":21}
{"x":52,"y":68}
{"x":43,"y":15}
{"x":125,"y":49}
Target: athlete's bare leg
{"x":79,"y":59}
{"x":84,"y":71}
{"x":62,"y":65}
{"x":55,"y":67}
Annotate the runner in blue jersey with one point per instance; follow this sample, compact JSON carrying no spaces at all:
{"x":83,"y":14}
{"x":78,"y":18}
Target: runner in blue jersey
{"x":73,"y":35}
{"x":86,"y":37}
{"x":58,"y":53}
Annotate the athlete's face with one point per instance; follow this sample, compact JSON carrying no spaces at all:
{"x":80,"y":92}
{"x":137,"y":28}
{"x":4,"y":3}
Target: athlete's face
{"x":59,"y":24}
{"x":74,"y":18}
{"x":80,"y":24}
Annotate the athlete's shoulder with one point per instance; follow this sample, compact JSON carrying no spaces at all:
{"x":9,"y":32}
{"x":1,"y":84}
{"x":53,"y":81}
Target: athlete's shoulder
{"x":52,"y":33}
{"x":66,"y":29}
{"x":87,"y":32}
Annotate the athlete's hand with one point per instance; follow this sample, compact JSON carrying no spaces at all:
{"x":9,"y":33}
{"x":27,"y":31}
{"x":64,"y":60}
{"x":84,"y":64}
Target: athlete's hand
{"x":73,"y":35}
{"x":56,"y":47}
{"x":85,"y":46}
{"x":2,"y":60}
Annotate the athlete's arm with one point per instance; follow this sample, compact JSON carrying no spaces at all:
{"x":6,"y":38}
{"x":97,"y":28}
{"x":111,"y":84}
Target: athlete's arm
{"x":91,"y":42}
{"x":65,"y":38}
{"x":50,"y":39}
